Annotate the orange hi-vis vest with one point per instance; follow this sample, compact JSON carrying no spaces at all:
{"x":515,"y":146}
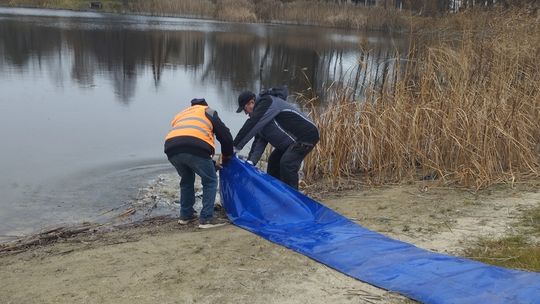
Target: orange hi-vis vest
{"x":193,"y":122}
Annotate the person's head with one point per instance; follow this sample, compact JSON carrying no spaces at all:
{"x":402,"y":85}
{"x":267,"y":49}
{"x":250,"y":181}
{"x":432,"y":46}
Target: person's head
{"x":246,"y":102}
{"x":198,"y":102}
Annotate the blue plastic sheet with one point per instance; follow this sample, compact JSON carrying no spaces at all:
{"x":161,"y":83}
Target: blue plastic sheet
{"x":263,"y":205}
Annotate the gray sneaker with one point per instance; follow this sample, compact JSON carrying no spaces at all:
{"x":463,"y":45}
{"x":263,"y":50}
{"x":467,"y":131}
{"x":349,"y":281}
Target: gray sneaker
{"x":212,"y":222}
{"x":185,"y":221}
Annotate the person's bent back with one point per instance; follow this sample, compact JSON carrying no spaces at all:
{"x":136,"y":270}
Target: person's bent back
{"x":273,"y":120}
{"x":189,"y":146}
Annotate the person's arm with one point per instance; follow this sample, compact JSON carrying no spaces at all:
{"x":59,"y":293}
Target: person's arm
{"x":257,"y":149}
{"x":257,"y":120}
{"x":223,"y":134}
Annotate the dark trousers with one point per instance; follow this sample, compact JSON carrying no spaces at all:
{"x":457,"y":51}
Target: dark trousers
{"x":284,"y":165}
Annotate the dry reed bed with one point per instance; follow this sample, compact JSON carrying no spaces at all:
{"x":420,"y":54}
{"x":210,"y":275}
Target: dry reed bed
{"x":295,"y":12}
{"x":200,"y":8}
{"x":465,"y":111}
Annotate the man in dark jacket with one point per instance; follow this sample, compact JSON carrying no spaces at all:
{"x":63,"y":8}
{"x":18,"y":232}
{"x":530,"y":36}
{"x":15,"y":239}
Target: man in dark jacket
{"x":273,"y":120}
{"x":189,"y":146}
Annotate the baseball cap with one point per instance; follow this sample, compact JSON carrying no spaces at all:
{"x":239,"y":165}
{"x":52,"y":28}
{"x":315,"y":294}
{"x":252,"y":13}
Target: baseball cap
{"x":243,"y":99}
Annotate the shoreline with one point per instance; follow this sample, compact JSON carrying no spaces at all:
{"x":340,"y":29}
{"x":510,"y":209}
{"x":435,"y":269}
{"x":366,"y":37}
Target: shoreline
{"x":127,"y":12}
{"x":163,"y":261}
{"x":163,"y":191}
{"x":188,"y":17}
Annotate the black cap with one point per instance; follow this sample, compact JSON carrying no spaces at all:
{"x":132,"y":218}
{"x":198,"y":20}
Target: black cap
{"x":198,"y":101}
{"x":243,"y":99}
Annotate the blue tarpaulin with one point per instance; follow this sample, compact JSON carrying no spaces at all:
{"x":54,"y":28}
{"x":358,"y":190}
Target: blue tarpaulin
{"x":263,"y":205}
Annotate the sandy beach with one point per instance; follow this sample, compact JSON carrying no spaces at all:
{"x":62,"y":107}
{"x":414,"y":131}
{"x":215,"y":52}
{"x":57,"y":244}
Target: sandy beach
{"x":162,"y":262}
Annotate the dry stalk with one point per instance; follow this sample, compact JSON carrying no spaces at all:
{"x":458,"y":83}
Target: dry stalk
{"x":466,"y":112}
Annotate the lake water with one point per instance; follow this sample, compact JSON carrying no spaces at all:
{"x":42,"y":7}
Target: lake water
{"x":86,"y":98}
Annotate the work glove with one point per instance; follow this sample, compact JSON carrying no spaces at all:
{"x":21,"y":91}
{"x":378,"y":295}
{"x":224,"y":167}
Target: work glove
{"x":242,"y":157}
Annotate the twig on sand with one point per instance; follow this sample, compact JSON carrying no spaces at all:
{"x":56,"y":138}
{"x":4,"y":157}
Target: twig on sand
{"x":448,"y":226}
{"x":63,"y":232}
{"x":243,"y":284}
{"x":66,"y":252}
{"x":493,"y":259}
{"x":114,"y":209}
{"x":45,"y":237}
{"x":365,"y":297}
{"x":127,"y":212}
{"x":363,"y":293}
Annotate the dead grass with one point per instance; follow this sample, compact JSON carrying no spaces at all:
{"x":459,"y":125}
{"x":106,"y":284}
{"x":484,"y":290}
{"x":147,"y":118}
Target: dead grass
{"x":510,"y":252}
{"x":532,"y":220}
{"x":465,"y":108}
{"x":236,"y":10}
{"x":520,"y":251}
{"x":516,"y":251}
{"x":200,"y":8}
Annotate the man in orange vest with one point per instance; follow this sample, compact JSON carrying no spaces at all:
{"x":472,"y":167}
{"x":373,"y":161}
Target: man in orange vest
{"x":189,"y":146}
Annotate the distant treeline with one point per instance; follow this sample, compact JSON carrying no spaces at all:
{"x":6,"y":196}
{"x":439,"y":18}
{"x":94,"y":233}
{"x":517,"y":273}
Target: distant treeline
{"x":439,"y":7}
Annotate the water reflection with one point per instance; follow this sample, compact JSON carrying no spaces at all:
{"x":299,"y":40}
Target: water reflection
{"x":232,"y":60}
{"x":88,"y":91}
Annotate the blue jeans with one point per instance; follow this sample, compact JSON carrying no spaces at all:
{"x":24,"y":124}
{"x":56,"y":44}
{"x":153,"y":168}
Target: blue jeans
{"x":187,"y":165}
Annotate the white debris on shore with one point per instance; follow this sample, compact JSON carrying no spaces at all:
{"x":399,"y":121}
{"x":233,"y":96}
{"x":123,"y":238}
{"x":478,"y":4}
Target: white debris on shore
{"x":161,"y":196}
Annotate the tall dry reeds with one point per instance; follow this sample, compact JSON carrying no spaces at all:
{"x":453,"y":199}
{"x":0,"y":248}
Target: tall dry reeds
{"x":236,"y":10}
{"x":295,"y":12}
{"x":199,"y":8}
{"x":330,"y":14}
{"x":54,"y":4}
{"x":465,"y":111}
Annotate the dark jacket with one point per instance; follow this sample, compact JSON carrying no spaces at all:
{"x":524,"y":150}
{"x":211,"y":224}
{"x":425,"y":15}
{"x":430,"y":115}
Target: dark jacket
{"x":277,"y":122}
{"x":196,"y":146}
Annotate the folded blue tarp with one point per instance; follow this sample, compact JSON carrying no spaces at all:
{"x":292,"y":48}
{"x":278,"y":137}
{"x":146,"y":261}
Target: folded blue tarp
{"x":263,"y":205}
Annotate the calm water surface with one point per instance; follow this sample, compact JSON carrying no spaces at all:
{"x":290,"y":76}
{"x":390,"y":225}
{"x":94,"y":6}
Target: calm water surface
{"x":86,"y":98}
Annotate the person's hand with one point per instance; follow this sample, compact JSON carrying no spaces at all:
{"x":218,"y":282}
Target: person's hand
{"x":217,"y":166}
{"x":225,"y":159}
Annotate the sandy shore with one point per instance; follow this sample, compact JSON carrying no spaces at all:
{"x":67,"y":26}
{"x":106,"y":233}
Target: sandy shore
{"x":162,"y":262}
